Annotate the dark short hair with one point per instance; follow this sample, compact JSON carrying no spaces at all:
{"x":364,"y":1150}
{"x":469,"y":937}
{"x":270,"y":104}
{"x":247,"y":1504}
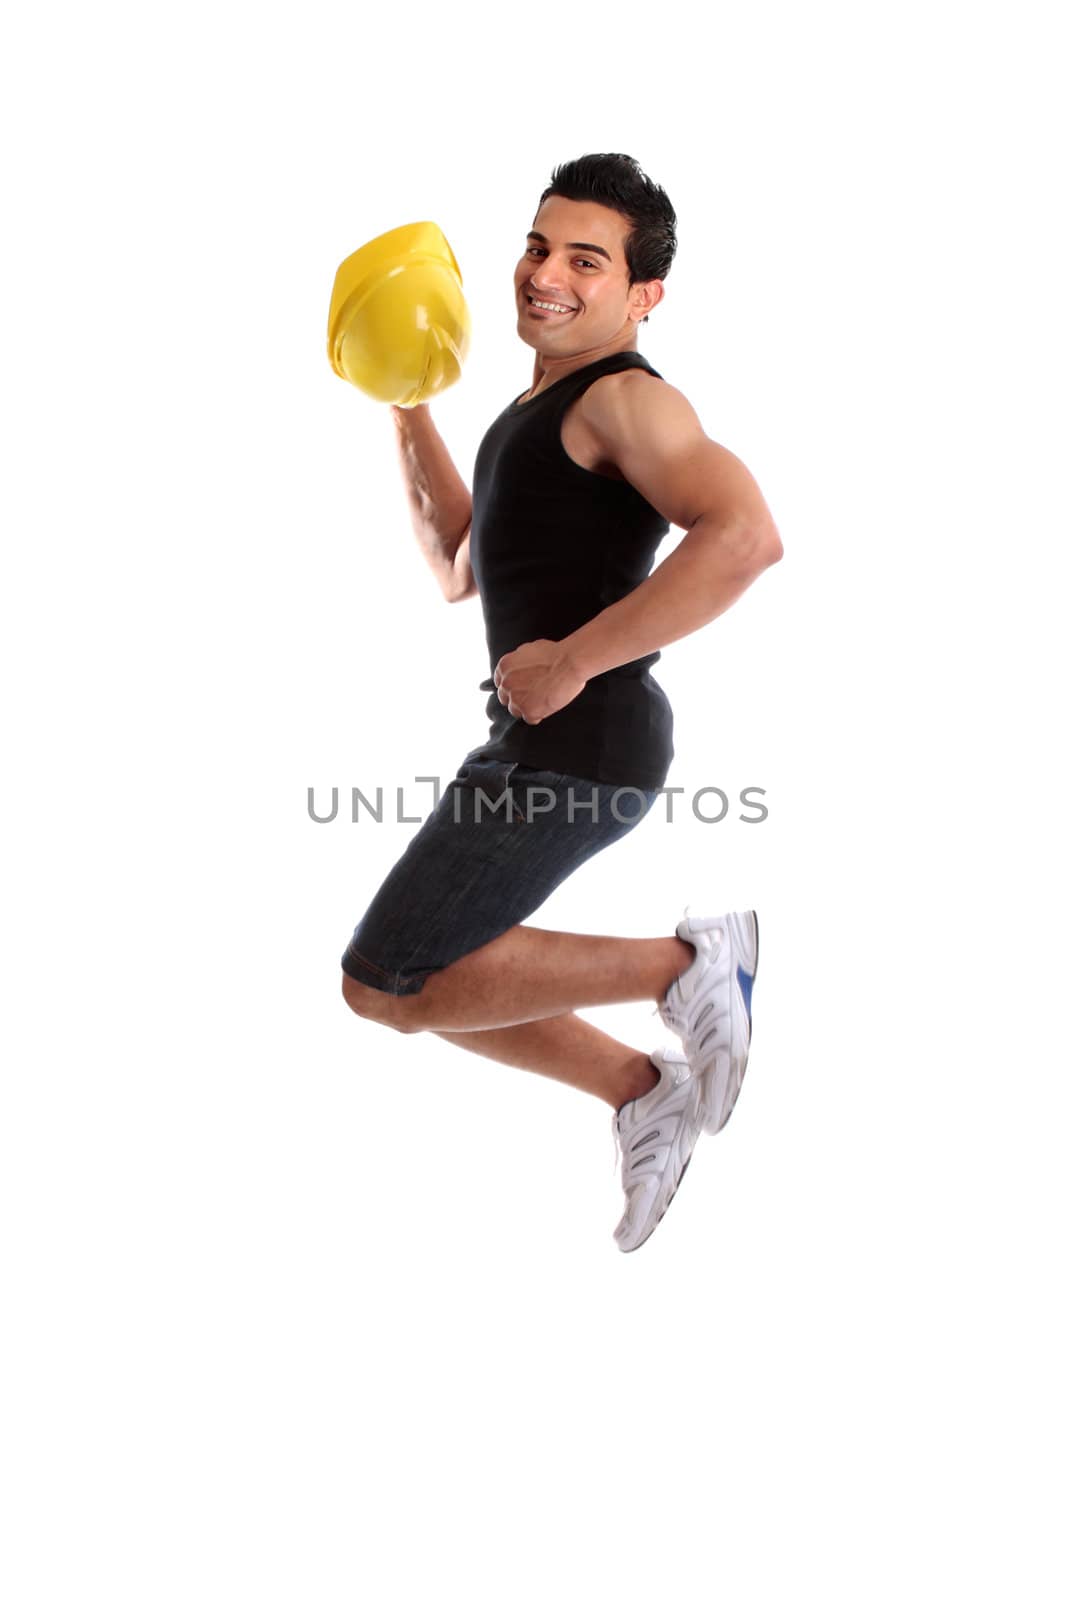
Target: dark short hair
{"x":617,"y":181}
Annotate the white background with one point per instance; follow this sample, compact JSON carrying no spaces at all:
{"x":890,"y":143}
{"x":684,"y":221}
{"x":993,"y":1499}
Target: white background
{"x":297,"y":1306}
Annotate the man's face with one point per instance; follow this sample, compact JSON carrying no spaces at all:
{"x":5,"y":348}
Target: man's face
{"x":579,"y":262}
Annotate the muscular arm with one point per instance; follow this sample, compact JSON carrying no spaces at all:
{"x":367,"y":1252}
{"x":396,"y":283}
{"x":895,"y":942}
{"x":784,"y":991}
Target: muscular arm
{"x":710,"y":569}
{"x":654,"y":437}
{"x":652,"y":434}
{"x":438,"y":499}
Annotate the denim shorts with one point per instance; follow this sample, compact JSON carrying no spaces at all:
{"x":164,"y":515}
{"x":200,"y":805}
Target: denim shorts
{"x":500,"y":839}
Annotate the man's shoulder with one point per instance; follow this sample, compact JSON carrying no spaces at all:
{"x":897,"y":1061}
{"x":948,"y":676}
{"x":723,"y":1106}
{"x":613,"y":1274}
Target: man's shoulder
{"x":637,"y":385}
{"x":620,"y":403}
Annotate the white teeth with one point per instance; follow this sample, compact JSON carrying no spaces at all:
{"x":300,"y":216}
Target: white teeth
{"x":546,"y":305}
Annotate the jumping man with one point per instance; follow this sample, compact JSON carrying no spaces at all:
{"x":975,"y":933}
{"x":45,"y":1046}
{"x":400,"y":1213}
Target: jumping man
{"x":574,"y":486}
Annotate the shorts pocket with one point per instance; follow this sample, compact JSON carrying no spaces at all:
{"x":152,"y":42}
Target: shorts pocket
{"x":534,"y":792}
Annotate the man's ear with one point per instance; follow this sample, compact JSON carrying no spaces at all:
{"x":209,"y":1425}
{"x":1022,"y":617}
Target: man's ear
{"x":647,"y":296}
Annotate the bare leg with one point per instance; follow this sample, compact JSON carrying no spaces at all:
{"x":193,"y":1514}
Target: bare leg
{"x":568,"y":1049}
{"x":531,"y":973}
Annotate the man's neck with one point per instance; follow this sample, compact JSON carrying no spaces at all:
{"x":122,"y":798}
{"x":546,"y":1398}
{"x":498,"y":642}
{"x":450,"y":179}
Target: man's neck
{"x":548,"y":372}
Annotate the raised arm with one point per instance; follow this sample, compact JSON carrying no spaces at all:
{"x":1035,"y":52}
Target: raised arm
{"x":438,"y":499}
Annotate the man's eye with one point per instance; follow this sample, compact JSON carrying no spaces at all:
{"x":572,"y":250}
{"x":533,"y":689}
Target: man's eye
{"x":535,"y":250}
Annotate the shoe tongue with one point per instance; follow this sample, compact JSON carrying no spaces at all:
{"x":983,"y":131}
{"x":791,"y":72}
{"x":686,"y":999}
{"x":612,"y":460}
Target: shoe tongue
{"x":671,"y":1067}
{"x":694,"y":971}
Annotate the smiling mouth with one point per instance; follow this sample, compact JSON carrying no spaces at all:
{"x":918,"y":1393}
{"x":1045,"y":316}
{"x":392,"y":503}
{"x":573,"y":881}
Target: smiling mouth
{"x":549,"y":309}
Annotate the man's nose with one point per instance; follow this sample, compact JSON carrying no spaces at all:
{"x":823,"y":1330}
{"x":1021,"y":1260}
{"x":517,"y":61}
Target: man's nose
{"x":545,"y":279}
{"x":550,"y":271}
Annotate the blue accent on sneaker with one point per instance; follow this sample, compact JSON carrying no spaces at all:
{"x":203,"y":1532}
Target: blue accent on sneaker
{"x":744,"y":983}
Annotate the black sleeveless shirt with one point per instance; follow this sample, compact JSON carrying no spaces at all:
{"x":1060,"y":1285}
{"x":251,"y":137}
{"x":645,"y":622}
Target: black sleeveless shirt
{"x":551,"y":545}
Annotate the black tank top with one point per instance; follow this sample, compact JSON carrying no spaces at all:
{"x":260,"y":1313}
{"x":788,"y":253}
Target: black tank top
{"x":551,"y":545}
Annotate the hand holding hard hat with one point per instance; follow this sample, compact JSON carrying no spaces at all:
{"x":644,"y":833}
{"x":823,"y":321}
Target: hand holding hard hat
{"x":399,"y":327}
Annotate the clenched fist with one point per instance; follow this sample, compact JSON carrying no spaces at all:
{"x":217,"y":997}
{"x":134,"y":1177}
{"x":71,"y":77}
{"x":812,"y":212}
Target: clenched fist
{"x":536,"y":680}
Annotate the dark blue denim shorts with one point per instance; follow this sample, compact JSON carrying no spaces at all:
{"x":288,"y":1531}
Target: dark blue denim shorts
{"x":500,"y":839}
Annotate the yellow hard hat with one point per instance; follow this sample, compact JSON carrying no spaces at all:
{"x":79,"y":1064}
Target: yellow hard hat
{"x":399,"y":326}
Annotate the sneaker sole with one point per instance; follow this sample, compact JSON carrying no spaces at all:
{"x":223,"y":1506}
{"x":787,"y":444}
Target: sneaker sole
{"x":685,"y":1167}
{"x":630,"y":1250}
{"x":742,"y":1069}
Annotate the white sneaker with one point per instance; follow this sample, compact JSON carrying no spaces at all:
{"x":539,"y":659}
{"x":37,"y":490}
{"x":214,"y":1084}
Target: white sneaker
{"x":656,"y":1135}
{"x":709,"y":1006}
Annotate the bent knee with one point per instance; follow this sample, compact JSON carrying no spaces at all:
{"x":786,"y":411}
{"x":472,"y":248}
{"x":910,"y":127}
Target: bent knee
{"x":392,"y":1010}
